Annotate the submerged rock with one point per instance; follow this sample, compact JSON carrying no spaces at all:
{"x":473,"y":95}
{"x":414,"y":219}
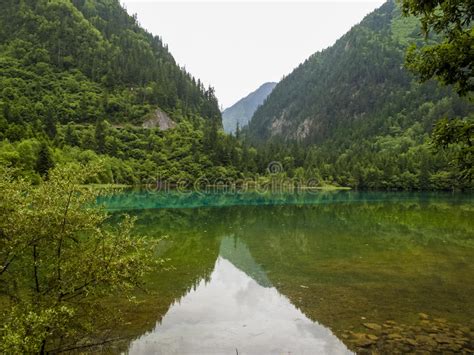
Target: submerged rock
{"x":361,"y":340}
{"x":427,"y":336}
{"x":423,"y":316}
{"x":372,"y":326}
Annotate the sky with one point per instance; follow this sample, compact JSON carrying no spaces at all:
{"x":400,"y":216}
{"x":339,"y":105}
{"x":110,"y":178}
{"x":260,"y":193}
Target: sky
{"x":236,"y":46}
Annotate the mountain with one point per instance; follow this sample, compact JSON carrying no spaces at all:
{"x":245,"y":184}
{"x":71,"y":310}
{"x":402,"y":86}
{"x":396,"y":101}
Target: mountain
{"x":85,"y":82}
{"x":82,"y":82}
{"x":356,"y":89}
{"x":80,"y":58}
{"x":242,"y":111}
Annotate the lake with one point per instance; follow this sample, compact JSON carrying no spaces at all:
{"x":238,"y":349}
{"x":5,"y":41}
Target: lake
{"x":303,"y":273}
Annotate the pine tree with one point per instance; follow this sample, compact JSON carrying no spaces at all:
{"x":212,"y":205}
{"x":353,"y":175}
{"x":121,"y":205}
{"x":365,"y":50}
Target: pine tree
{"x":70,"y":137}
{"x":210,"y":137}
{"x":50,"y":125}
{"x":100,"y":134}
{"x":44,"y":162}
{"x":237,"y":130}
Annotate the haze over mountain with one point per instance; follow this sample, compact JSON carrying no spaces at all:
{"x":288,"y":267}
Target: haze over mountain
{"x":242,"y":110}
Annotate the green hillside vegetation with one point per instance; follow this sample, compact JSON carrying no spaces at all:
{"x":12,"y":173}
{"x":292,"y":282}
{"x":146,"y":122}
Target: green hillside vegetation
{"x":80,"y":76}
{"x":363,"y":119}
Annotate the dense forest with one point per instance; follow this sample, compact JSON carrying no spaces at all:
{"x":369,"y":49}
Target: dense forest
{"x":79,"y":78}
{"x":364,"y":120}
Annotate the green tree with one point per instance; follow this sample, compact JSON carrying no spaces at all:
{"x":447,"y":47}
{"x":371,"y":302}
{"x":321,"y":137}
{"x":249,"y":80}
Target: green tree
{"x":450,"y":61}
{"x":57,"y":259}
{"x":237,"y":130}
{"x":44,"y":162}
{"x":211,"y":139}
{"x":459,"y":133}
{"x":70,"y":136}
{"x":50,"y":125}
{"x":100,"y":136}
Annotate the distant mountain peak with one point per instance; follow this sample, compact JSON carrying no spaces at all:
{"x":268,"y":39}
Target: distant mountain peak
{"x":242,"y":111}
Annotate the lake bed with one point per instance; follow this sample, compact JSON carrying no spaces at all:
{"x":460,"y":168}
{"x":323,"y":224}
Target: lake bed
{"x":332,"y":272}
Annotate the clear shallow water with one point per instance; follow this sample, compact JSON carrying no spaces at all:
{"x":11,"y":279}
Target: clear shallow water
{"x":232,"y":313}
{"x":295,"y":273}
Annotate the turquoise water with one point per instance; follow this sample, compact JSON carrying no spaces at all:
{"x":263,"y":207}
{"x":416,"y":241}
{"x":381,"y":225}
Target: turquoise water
{"x":304,"y":273}
{"x":139,"y":200}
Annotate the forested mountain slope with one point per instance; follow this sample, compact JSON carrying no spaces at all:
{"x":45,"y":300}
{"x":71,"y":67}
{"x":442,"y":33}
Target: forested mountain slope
{"x":363,"y":118}
{"x":78,"y":78}
{"x":356,"y":88}
{"x":241,"y":112}
{"x":90,"y":54}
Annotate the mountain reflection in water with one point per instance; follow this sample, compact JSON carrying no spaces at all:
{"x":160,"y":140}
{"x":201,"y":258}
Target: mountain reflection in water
{"x":271,"y":274}
{"x":233,"y":312}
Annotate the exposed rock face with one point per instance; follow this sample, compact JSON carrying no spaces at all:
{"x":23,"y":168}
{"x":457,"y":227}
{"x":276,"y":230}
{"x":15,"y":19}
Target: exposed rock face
{"x":303,"y":129}
{"x":159,"y":119}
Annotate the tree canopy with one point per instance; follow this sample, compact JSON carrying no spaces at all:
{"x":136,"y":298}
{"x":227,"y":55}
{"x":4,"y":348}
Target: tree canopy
{"x":450,"y":58}
{"x":57,"y":256}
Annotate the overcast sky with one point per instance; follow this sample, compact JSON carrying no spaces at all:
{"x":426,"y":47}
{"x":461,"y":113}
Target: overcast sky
{"x":236,"y":46}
